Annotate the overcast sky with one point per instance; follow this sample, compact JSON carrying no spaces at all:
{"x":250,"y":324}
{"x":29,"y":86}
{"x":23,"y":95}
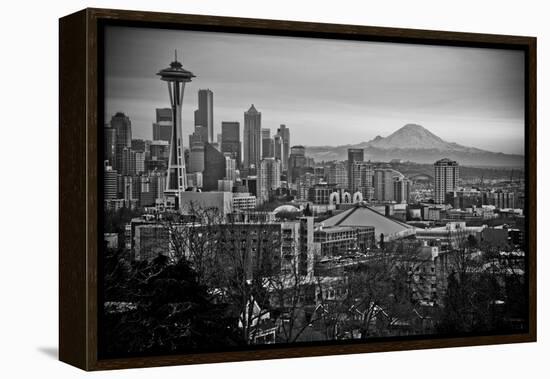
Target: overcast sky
{"x":327,"y":92}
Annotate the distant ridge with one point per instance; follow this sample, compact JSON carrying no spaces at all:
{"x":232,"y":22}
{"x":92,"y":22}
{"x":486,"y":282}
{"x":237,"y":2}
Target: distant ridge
{"x":415,"y":143}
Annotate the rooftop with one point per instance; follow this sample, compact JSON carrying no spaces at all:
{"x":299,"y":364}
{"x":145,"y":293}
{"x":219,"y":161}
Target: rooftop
{"x":362,"y":216}
{"x":176,"y":72}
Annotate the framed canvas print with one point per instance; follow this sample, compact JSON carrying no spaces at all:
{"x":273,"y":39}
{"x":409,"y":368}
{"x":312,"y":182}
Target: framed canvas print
{"x":238,"y":189}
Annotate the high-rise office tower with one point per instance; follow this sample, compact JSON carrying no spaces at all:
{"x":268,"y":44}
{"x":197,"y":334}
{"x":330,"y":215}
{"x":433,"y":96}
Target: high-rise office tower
{"x":139,"y":162}
{"x":268,"y":148}
{"x":109,"y":145}
{"x":176,"y":77}
{"x":362,"y":179}
{"x":354,"y":155}
{"x":269,"y":178}
{"x":267,"y":144}
{"x":266,"y":133}
{"x":383,"y":183}
{"x":128,"y":159}
{"x":445,"y":178}
{"x":337,"y":174}
{"x":126,"y":189}
{"x":304,"y":183}
{"x":278,"y":149}
{"x":140,"y":145}
{"x":163,"y":114}
{"x":230,"y":167}
{"x":148,"y":188}
{"x":214,"y":167}
{"x":196,"y":158}
{"x":159,"y":150}
{"x":401,"y":189}
{"x":144,"y":186}
{"x":110,"y":183}
{"x":123,"y":135}
{"x":296,"y":162}
{"x":231,"y":140}
{"x":284,"y":133}
{"x":204,"y":115}
{"x":252,"y":137}
{"x":162,"y":128}
{"x":197,"y":136}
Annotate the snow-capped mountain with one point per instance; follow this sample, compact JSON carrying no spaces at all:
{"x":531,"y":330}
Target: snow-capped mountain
{"x":415,"y":143}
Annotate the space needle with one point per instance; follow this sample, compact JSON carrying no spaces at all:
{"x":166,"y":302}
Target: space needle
{"x":176,"y":77}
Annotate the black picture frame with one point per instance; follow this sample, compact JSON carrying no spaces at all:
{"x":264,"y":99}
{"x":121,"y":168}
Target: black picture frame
{"x":80,"y":164}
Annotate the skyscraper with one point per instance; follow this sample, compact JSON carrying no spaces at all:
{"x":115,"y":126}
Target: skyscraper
{"x":128,"y":160}
{"x":204,"y":115}
{"x":445,"y":178}
{"x":198,"y":135}
{"x":267,"y":143}
{"x":269,"y":178}
{"x":109,"y":145}
{"x":284,"y":133}
{"x":123,"y":136}
{"x":278,"y":149}
{"x":401,"y":189}
{"x":141,"y":145}
{"x":196,"y":157}
{"x":151,"y":187}
{"x":159,"y":150}
{"x":296,"y":162}
{"x":266,"y":133}
{"x":362,"y":179}
{"x":110,"y":183}
{"x":383,"y":182}
{"x":214,"y":167}
{"x":354,"y":155}
{"x":176,"y":76}
{"x":231,"y":140}
{"x":162,"y":127}
{"x":163,"y":114}
{"x":337,"y":175}
{"x":252,"y":137}
{"x":139,"y":158}
{"x":230,"y":167}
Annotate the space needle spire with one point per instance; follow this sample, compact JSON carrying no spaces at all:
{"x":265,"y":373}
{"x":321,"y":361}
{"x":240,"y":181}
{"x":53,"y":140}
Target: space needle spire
{"x":176,"y":76}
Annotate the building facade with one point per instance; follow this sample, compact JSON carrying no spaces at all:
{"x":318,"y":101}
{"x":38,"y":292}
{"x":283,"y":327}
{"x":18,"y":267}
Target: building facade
{"x":231,"y":140}
{"x":337,"y":174}
{"x":204,"y":115}
{"x":214,"y":167}
{"x":362,"y":180}
{"x":354,"y":155}
{"x":284,"y":133}
{"x":162,"y":127}
{"x":252,"y":137}
{"x":269,"y":178}
{"x":446,"y":174}
{"x":123,"y":131}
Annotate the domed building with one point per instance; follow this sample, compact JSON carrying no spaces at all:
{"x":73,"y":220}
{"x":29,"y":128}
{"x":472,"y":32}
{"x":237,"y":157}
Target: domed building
{"x":286,"y":208}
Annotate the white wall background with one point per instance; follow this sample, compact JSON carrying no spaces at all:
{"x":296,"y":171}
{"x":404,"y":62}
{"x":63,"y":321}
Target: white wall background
{"x":29,"y":139}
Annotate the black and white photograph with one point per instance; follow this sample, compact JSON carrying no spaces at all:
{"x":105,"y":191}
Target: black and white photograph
{"x":264,"y":191}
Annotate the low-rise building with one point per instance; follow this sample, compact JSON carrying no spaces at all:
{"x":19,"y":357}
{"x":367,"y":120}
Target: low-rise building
{"x":342,"y":240}
{"x":243,"y":201}
{"x":191,"y":201}
{"x":452,"y":234}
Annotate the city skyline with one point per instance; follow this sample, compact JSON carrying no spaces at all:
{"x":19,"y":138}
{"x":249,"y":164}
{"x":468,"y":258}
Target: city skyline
{"x":438,"y":87}
{"x":258,"y":238}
